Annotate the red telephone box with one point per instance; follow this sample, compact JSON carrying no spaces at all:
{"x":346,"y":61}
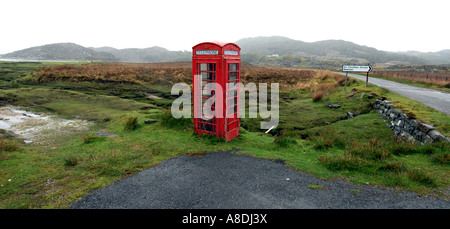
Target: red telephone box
{"x":216,"y":76}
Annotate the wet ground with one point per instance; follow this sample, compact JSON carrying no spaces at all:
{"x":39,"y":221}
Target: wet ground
{"x":32,"y":127}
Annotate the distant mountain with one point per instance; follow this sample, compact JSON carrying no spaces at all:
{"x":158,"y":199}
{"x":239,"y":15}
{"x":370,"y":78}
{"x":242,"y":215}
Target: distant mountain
{"x":70,"y":51}
{"x":329,"y":48}
{"x":441,"y":57}
{"x":60,"y":51}
{"x":153,"y":54}
{"x":252,"y":49}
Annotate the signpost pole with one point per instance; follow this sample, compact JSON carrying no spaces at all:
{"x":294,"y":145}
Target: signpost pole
{"x":345,"y":87}
{"x":367,"y":78}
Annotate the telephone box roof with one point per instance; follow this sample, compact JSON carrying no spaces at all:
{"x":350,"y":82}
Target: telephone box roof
{"x":217,"y":43}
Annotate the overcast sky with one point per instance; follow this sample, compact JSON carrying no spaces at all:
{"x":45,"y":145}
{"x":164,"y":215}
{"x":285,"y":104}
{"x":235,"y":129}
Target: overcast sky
{"x":390,"y":25}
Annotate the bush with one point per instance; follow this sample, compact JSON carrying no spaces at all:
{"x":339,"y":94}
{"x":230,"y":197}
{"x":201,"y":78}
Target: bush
{"x":421,"y":177}
{"x":318,"y":95}
{"x":71,"y":161}
{"x":393,"y":166}
{"x":327,"y":138}
{"x":442,"y":158}
{"x":7,"y":145}
{"x":91,"y":138}
{"x":372,"y":150}
{"x":131,"y":124}
{"x":284,"y":141}
{"x":343,"y":162}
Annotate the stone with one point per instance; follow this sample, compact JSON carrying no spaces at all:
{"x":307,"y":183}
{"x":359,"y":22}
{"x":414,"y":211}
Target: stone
{"x":392,"y":116}
{"x":425,"y":128}
{"x":330,"y":105}
{"x":388,"y":103}
{"x":107,"y":134}
{"x":349,"y":115}
{"x":414,"y":124}
{"x":436,"y":136}
{"x":427,"y":139}
{"x":150,"y":121}
{"x":362,"y":96}
{"x":370,"y":96}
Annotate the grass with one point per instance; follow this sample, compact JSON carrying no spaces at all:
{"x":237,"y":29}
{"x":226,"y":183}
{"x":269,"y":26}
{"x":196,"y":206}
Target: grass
{"x":310,"y":138}
{"x":316,"y":187}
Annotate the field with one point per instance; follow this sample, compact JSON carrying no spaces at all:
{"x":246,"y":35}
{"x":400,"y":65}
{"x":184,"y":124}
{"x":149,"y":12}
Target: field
{"x":119,"y":97}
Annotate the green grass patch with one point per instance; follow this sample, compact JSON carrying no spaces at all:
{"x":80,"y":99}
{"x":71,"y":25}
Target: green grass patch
{"x":316,"y":187}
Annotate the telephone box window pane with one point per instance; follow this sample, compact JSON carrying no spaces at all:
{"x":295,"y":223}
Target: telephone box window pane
{"x":207,"y":93}
{"x":232,"y":93}
{"x":207,"y":67}
{"x":207,"y":76}
{"x":233,"y":67}
{"x":232,"y":86}
{"x":233,"y":76}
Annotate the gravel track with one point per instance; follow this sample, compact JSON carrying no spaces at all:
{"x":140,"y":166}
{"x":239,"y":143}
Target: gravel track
{"x":222,"y":180}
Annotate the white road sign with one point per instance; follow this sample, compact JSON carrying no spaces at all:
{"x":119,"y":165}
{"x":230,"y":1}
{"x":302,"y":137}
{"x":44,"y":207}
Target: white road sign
{"x":356,"y":68}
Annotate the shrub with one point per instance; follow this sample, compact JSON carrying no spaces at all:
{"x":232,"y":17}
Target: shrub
{"x":318,"y":95}
{"x":442,"y":158}
{"x":372,"y":150}
{"x":343,"y":162}
{"x":71,"y":161}
{"x":7,"y":145}
{"x":90,"y":138}
{"x":421,"y":177}
{"x":327,"y":138}
{"x":131,"y":124}
{"x":393,"y":166}
{"x":284,"y":141}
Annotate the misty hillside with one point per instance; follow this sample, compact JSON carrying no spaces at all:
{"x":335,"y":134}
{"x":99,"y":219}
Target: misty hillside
{"x":441,"y":57}
{"x":253,"y":49}
{"x":60,"y":51}
{"x":328,"y":48}
{"x":153,"y":54}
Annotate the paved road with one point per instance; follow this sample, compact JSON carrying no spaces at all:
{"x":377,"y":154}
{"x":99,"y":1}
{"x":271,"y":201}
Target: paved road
{"x":222,"y":180}
{"x":435,"y":99}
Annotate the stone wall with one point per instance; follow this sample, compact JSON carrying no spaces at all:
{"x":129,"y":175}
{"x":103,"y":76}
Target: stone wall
{"x":407,"y":128}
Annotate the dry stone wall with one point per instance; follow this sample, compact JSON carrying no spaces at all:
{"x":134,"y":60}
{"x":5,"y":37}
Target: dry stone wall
{"x":407,"y":128}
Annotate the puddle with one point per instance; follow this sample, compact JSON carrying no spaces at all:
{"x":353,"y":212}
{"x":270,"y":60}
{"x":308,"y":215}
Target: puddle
{"x":34,"y":127}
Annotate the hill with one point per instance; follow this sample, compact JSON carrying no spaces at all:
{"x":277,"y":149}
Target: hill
{"x":287,"y":52}
{"x":336,"y":49}
{"x":59,"y":51}
{"x":146,"y":55}
{"x":70,"y":51}
{"x":440,"y":57}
